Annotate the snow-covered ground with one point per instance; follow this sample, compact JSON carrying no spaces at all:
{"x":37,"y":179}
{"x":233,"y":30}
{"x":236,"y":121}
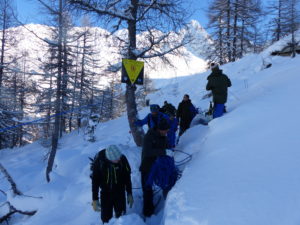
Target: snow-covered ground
{"x":244,"y":169}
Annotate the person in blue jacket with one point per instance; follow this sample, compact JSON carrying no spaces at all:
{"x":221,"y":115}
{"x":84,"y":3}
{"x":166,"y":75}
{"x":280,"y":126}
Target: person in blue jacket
{"x":153,"y":118}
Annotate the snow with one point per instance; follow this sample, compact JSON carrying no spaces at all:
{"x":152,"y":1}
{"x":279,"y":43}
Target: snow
{"x":244,"y":167}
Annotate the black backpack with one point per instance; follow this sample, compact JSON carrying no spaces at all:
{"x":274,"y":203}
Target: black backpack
{"x":169,"y":109}
{"x":97,"y":160}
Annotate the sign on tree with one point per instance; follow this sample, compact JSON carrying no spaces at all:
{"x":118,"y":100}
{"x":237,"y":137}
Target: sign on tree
{"x":132,"y":71}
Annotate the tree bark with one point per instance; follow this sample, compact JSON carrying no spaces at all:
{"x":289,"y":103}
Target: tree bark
{"x":137,"y":132}
{"x":3,"y":43}
{"x":55,"y":135}
{"x":228,"y":30}
{"x":235,"y":27}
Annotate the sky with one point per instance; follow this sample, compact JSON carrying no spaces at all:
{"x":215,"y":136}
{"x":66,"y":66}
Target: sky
{"x":29,"y":11}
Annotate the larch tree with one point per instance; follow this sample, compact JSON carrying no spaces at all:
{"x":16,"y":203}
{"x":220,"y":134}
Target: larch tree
{"x":157,"y":20}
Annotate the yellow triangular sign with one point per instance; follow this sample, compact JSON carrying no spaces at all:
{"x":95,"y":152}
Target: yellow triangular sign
{"x":133,"y":68}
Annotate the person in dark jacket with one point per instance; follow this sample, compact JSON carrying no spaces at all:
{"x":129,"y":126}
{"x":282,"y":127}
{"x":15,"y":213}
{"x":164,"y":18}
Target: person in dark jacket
{"x":111,"y":173}
{"x":154,"y":145}
{"x":153,"y":118}
{"x":186,"y":111}
{"x":218,"y":83}
{"x":173,"y":129}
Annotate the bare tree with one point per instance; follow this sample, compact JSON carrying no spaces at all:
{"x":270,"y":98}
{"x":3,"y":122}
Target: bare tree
{"x":140,"y":17}
{"x":6,"y":12}
{"x":234,"y":25}
{"x":276,"y":8}
{"x":293,"y":22}
{"x":59,"y":13}
{"x":6,"y":41}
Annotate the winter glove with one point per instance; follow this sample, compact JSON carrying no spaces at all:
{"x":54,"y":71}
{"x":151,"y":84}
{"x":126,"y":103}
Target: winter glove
{"x":96,"y":205}
{"x":130,"y":200}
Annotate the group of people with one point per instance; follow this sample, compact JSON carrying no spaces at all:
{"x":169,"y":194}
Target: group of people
{"x":183,"y":117}
{"x":111,"y":172}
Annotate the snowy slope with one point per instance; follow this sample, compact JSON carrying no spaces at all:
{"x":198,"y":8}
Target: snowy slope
{"x":244,"y":169}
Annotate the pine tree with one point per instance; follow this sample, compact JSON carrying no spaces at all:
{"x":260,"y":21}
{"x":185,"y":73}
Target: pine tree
{"x":234,"y":25}
{"x":7,"y":108}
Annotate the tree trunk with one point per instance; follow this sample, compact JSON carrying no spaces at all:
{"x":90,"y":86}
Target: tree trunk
{"x":137,"y":132}
{"x":293,"y":27}
{"x":82,"y":75}
{"x":221,"y":56}
{"x":64,"y":79}
{"x":55,"y":135}
{"x":278,"y":31}
{"x":2,"y":54}
{"x":242,"y":39}
{"x":235,"y":30}
{"x":74,"y":87}
{"x":228,"y":31}
{"x":3,"y":45}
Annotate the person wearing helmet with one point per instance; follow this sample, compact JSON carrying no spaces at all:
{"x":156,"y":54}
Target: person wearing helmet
{"x":153,"y":118}
{"x":111,"y":173}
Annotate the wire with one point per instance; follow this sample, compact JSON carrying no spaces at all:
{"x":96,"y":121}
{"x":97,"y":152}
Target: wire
{"x":185,"y":160}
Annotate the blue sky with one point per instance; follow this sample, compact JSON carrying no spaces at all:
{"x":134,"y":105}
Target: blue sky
{"x":29,"y":11}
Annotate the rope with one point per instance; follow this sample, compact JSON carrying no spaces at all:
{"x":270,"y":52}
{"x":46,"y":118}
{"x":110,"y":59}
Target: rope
{"x":185,"y":160}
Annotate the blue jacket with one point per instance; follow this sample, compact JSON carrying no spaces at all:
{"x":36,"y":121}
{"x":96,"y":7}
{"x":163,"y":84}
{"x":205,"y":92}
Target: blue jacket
{"x":172,"y":133}
{"x":151,"y":120}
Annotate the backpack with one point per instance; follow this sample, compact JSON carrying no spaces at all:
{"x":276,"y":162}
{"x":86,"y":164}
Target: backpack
{"x":99,"y":162}
{"x":93,"y":164}
{"x":193,"y":111}
{"x":169,"y":109}
{"x":163,"y":173}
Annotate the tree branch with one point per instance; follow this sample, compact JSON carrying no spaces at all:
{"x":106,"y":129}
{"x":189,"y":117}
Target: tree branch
{"x":10,"y":180}
{"x":13,"y":210}
{"x":101,"y":12}
{"x":148,"y":7}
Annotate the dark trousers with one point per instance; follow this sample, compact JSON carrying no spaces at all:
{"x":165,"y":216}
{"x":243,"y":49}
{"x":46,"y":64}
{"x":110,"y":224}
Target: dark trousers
{"x":112,"y":200}
{"x":184,"y":125}
{"x":148,"y":207}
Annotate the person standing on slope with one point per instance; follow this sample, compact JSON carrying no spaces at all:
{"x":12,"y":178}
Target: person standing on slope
{"x":111,"y":173}
{"x":154,"y":146}
{"x":153,"y":118}
{"x":218,"y":83}
{"x":185,"y":113}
